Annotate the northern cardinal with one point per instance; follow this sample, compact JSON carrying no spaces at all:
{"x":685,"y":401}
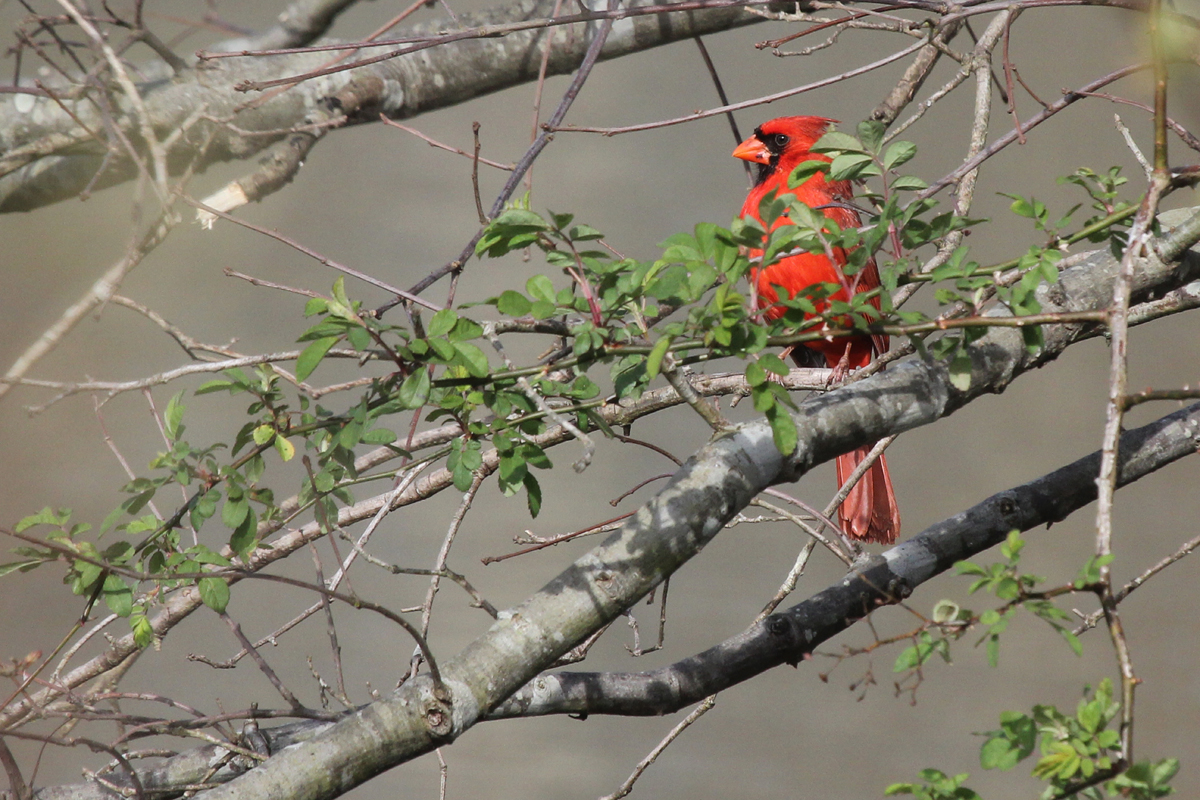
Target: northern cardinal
{"x":869,"y":512}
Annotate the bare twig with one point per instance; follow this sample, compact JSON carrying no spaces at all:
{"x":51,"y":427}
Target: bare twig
{"x":626,"y":787}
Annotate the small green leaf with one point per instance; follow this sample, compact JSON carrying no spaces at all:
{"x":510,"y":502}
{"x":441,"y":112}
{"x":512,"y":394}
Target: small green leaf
{"x":44,"y":517}
{"x":870,"y":133}
{"x":849,"y":166}
{"x":783,"y":430}
{"x":998,"y":753}
{"x":836,"y":140}
{"x":414,"y":392}
{"x":143,"y":633}
{"x":441,"y":323}
{"x":312,"y":355}
{"x":234,"y":512}
{"x":243,"y":539}
{"x":514,"y":304}
{"x":539,"y":287}
{"x":543,"y":310}
{"x":960,"y":370}
{"x":773,"y":363}
{"x":118,"y":596}
{"x":945,"y":611}
{"x":173,"y":418}
{"x":263,"y":434}
{"x":908,"y":183}
{"x":805,"y":170}
{"x":19,"y":566}
{"x":756,"y":375}
{"x":533,"y":494}
{"x":286,"y":449}
{"x":899,"y":153}
{"x":214,"y":593}
{"x":657,"y":354}
{"x":993,"y":650}
{"x":472,"y":358}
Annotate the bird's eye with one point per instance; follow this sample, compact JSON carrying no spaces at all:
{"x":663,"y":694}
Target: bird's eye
{"x":780,"y":140}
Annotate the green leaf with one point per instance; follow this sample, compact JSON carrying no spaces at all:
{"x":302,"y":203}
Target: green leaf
{"x":756,"y":375}
{"x":993,"y":650}
{"x":945,"y":611}
{"x":583,"y":233}
{"x":414,"y":392}
{"x":850,"y":166}
{"x":379,"y":436}
{"x":657,"y":354}
{"x":870,"y":133}
{"x":312,"y":355}
{"x":998,"y":753}
{"x":783,"y":430}
{"x":472,"y":358}
{"x":539,"y":287}
{"x":960,"y":370}
{"x":45,"y":517}
{"x":522,"y":218}
{"x":234,"y":512}
{"x":773,"y":363}
{"x":441,"y":323}
{"x":286,"y":450}
{"x":543,"y":310}
{"x":805,"y":170}
{"x":243,"y":539}
{"x":19,"y":566}
{"x":173,"y":417}
{"x":118,"y":595}
{"x":263,"y":434}
{"x":143,"y":633}
{"x":465,"y":330}
{"x":514,"y":304}
{"x":214,"y":593}
{"x":217,"y":385}
{"x":899,"y":153}
{"x":908,"y":183}
{"x":533,"y":494}
{"x":339,"y":292}
{"x":836,"y":140}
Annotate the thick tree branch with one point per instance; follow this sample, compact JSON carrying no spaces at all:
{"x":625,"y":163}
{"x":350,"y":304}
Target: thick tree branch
{"x":48,"y":157}
{"x":781,"y":638}
{"x":788,"y":637}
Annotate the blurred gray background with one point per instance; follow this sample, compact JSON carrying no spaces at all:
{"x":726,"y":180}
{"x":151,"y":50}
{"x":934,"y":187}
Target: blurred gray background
{"x":383,"y":202}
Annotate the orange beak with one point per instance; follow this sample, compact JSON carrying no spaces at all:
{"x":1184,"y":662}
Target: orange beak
{"x":753,"y":150}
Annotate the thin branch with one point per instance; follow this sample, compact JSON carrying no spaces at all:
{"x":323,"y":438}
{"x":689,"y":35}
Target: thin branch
{"x":475,"y":157}
{"x":627,"y":787}
{"x":770,"y":98}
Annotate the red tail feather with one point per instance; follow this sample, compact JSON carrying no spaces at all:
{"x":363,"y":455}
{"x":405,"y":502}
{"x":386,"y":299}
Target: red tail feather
{"x":869,"y":513}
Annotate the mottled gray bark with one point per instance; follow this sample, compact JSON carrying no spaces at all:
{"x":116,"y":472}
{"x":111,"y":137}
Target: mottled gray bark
{"x":47,"y":157}
{"x":789,"y":636}
{"x":783,"y":638}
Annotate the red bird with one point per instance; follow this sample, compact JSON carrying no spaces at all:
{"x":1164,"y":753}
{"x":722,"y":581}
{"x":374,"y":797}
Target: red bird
{"x":869,"y":512}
